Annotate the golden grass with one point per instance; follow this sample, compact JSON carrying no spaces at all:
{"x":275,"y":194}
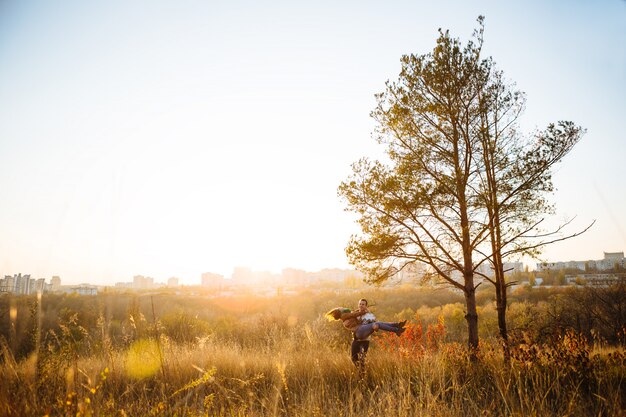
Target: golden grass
{"x":268,"y":363}
{"x":292,"y":375}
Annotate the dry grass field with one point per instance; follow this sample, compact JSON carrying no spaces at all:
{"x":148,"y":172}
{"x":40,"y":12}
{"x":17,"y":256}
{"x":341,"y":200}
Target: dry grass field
{"x":285,"y":366}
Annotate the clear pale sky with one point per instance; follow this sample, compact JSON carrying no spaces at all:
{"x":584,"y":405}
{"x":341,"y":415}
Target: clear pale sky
{"x":175,"y":138}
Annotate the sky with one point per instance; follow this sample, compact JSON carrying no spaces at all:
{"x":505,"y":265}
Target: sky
{"x":168,"y":139}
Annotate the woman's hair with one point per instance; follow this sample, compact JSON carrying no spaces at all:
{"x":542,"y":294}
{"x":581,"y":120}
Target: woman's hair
{"x":334,"y":314}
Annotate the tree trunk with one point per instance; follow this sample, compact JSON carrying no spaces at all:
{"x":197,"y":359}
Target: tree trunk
{"x":501,"y":298}
{"x":471,"y":317}
{"x":493,"y":210}
{"x":501,"y":309}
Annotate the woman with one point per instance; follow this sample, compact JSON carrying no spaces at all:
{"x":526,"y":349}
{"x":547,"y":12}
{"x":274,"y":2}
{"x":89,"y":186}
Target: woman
{"x":362,"y":329}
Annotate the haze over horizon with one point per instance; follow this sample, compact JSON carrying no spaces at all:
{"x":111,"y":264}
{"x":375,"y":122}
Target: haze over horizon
{"x":159,"y":139}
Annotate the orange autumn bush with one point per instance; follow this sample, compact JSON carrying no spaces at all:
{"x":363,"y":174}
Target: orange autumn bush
{"x":414,"y":342}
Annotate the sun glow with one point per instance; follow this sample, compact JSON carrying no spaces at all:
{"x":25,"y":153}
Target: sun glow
{"x":139,"y":141}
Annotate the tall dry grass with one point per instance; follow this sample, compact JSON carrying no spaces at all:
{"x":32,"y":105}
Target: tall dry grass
{"x":305,"y":372}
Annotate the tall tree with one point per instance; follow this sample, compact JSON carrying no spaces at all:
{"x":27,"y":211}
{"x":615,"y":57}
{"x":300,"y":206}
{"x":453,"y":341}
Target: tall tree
{"x":516,"y":178}
{"x":421,"y":204}
{"x":460,"y":187}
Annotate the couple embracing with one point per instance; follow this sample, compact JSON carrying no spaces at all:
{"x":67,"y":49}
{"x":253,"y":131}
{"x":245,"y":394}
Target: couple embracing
{"x":362,"y":323}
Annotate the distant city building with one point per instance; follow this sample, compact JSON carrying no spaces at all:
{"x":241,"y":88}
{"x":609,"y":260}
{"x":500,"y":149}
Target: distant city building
{"x":611,"y":260}
{"x":55,"y":282}
{"x":22,"y":284}
{"x":7,"y":284}
{"x":172,"y":282}
{"x":16,"y":284}
{"x":595,"y":280}
{"x":140,"y":282}
{"x":40,"y":285}
{"x":615,"y":256}
{"x":485,"y":270}
{"x":83,"y":289}
{"x":512,"y":267}
{"x":211,"y":280}
{"x":333,"y":275}
{"x":508,"y":267}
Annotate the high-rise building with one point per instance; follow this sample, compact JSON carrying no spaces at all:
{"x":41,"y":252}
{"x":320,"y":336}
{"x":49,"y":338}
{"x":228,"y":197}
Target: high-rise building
{"x":7,"y":284}
{"x":40,"y":285}
{"x":22,"y":283}
{"x":141,"y":282}
{"x":55,"y":282}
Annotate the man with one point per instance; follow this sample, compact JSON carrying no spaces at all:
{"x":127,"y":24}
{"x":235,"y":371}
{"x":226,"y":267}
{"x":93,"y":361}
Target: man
{"x":359,"y":348}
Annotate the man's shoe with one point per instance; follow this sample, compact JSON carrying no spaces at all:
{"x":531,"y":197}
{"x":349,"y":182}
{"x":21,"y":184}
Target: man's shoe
{"x":400,"y":331}
{"x":400,"y":324}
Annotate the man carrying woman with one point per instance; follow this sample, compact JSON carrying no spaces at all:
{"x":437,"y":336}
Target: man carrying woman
{"x":362,"y":323}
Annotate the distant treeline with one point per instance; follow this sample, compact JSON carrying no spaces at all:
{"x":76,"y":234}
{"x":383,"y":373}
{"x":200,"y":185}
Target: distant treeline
{"x":113,"y":320}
